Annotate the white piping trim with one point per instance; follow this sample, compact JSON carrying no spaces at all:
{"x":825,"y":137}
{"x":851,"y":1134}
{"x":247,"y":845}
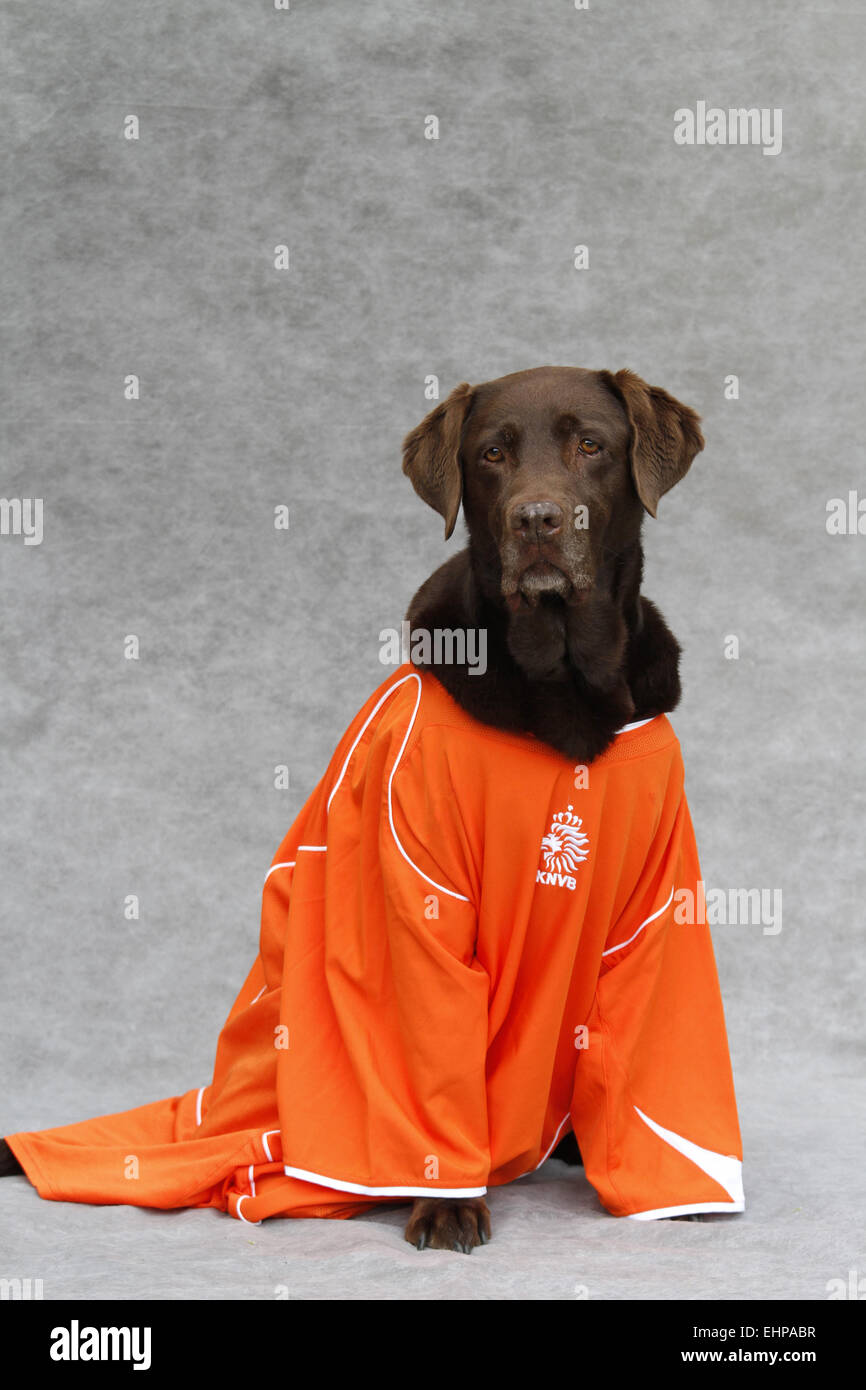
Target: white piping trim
{"x":413,"y":676}
{"x":289,"y":864}
{"x":638,"y":724}
{"x":620,"y":944}
{"x":201,"y":1092}
{"x":364,"y":727}
{"x":341,"y":1186}
{"x":442,"y":889}
{"x":238,"y":1212}
{"x":252,"y":1181}
{"x":661,"y":1212}
{"x":553,"y":1142}
{"x":550,"y":1149}
{"x":268,"y":1155}
{"x":263,"y":990}
{"x":724,"y":1169}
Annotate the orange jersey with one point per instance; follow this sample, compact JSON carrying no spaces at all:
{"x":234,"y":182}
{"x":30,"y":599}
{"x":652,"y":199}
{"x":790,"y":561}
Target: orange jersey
{"x":468,"y":947}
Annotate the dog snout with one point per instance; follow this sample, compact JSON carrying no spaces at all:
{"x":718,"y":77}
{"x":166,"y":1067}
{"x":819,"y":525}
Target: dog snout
{"x":536,"y":521}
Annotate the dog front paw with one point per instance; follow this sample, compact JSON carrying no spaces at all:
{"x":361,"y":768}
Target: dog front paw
{"x":444,"y":1223}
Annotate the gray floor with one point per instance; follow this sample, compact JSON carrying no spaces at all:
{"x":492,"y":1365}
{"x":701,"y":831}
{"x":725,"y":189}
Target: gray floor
{"x":803,"y":1228}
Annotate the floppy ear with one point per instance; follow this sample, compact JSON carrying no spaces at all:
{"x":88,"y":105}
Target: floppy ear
{"x":665,"y":435}
{"x":431,"y":455}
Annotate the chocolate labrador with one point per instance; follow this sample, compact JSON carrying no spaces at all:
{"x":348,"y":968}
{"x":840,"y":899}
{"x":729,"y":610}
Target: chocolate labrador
{"x":555,"y":468}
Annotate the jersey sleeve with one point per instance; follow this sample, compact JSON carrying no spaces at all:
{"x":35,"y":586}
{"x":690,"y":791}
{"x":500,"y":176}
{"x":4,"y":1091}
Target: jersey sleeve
{"x":382,"y":1089}
{"x":441,"y":991}
{"x":653,"y":1106}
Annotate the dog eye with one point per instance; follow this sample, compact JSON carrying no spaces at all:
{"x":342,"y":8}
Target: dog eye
{"x":588,"y":446}
{"x":493,"y":455}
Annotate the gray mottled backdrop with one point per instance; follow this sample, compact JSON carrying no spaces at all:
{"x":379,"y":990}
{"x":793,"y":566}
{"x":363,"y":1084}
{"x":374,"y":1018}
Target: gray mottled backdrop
{"x":409,"y":257}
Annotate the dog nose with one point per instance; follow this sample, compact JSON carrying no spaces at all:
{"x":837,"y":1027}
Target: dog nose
{"x":536,"y":520}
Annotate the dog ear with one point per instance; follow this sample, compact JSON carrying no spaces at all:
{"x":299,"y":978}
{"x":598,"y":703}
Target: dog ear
{"x":665,"y":435}
{"x":431,"y":455}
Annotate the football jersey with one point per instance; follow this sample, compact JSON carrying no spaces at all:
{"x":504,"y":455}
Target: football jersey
{"x":469,"y":947}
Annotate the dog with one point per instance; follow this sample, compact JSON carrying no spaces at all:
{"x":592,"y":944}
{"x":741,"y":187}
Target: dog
{"x":575,"y":648}
{"x":554,"y":468}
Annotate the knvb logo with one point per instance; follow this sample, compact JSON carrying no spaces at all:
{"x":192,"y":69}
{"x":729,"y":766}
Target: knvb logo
{"x":563,"y":849}
{"x":711,"y":125}
{"x":22,"y":516}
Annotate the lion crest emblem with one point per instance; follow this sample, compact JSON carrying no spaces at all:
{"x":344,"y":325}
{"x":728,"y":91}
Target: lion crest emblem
{"x":565,"y":845}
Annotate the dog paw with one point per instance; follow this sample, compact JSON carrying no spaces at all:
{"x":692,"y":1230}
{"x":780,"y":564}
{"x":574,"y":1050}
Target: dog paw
{"x":442,"y":1223}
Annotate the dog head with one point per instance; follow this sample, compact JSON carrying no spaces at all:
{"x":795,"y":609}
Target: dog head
{"x":555,"y":467}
